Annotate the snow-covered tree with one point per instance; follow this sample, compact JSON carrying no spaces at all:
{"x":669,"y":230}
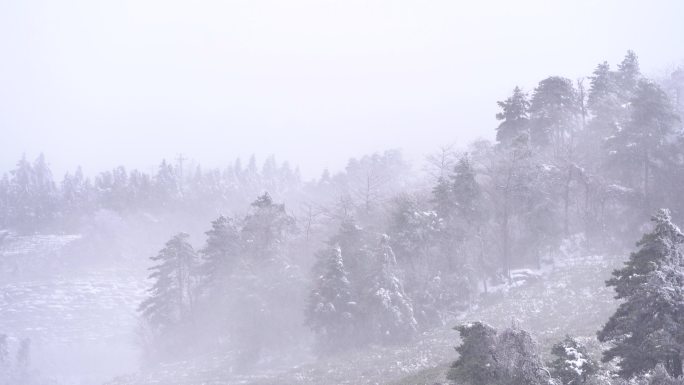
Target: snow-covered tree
{"x":573,"y":365}
{"x":331,"y":311}
{"x":490,"y":358}
{"x":554,"y":111}
{"x":514,"y":117}
{"x":387,"y":309}
{"x":646,"y":329}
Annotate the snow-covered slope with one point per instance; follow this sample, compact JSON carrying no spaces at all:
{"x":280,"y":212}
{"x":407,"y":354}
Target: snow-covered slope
{"x":569,"y":298}
{"x":81,"y":325}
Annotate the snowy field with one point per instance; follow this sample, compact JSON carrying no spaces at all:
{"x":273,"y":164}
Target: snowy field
{"x":81,"y":325}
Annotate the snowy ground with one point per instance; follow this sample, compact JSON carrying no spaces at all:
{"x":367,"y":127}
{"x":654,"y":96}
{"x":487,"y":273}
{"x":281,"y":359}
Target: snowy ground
{"x":82,"y":327}
{"x":567,"y":298}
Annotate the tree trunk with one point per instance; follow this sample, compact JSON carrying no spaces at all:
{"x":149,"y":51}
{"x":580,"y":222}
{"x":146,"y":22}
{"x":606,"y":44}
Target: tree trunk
{"x":566,"y":198}
{"x":506,"y":256}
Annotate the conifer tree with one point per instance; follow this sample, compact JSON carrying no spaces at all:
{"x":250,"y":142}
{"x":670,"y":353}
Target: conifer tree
{"x":573,"y":365}
{"x":388,"y":310}
{"x":265,"y":229}
{"x":646,"y":329}
{"x":553,"y":114}
{"x":628,"y":74}
{"x":514,"y":117}
{"x":166,"y":185}
{"x":644,"y":146}
{"x":477,"y":361}
{"x":331,"y":311}
{"x":466,"y":190}
{"x":170,"y":298}
{"x":490,"y":358}
{"x":219,"y":255}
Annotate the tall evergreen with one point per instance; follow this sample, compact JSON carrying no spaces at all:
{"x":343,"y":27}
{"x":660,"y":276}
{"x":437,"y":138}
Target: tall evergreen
{"x":170,"y":298}
{"x":573,"y":365}
{"x":387,"y":308}
{"x":514,"y":117}
{"x":466,"y":190}
{"x":604,"y":102}
{"x":644,"y":146}
{"x":331,"y":310}
{"x":219,"y":255}
{"x":443,"y":198}
{"x":628,"y":74}
{"x":554,"y":113}
{"x":646,"y":329}
{"x":265,"y":229}
{"x":477,"y":361}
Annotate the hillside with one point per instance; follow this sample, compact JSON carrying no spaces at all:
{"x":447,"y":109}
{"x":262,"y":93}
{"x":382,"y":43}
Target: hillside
{"x":568,"y":298}
{"x":81,"y":323}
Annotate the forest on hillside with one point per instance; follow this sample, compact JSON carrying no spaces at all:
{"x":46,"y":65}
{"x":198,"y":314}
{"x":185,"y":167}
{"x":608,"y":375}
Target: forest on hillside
{"x":253,"y":261}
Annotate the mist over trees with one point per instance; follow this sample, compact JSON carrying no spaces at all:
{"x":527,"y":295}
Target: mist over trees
{"x":260,"y":261}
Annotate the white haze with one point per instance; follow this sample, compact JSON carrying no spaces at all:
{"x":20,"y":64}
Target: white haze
{"x":101,"y":83}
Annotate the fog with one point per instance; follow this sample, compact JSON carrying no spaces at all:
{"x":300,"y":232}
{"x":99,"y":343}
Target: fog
{"x":341,"y":192}
{"x":101,"y":83}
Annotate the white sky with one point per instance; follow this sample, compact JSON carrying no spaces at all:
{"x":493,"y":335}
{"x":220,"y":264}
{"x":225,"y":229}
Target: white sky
{"x":102,"y":83}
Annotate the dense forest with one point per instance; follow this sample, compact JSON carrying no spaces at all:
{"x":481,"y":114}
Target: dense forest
{"x":256,"y":261}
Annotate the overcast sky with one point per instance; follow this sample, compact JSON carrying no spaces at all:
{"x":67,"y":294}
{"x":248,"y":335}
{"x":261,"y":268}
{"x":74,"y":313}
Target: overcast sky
{"x":102,"y":83}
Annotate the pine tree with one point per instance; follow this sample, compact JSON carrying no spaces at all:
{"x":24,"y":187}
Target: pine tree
{"x":266,"y":228}
{"x":466,"y":191}
{"x":22,"y":194}
{"x":477,"y":361}
{"x":628,"y":74}
{"x":518,"y":359}
{"x":331,"y":311}
{"x":573,"y":365}
{"x":514,"y":117}
{"x":606,"y":110}
{"x":646,"y":329}
{"x":219,"y":255}
{"x":354,"y":243}
{"x":170,"y":298}
{"x":443,"y":199}
{"x":554,"y":111}
{"x":642,"y":150}
{"x":166,"y":184}
{"x":388,"y":310}
{"x":45,"y":198}
{"x":490,"y":358}
{"x":413,"y":229}
{"x":512,"y":176}
{"x":604,"y":104}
